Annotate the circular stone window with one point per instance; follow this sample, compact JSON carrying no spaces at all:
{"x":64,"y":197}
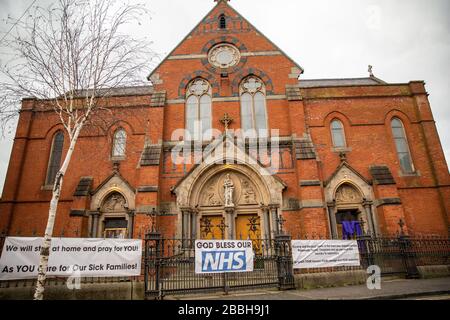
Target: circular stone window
{"x":224,"y":56}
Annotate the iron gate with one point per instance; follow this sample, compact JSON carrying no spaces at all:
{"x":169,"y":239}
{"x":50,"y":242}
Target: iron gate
{"x":170,"y":268}
{"x":402,"y":255}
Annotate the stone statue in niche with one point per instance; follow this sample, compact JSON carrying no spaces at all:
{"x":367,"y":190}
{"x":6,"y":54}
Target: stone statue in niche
{"x":248,"y":192}
{"x":115,"y":202}
{"x":228,"y":186}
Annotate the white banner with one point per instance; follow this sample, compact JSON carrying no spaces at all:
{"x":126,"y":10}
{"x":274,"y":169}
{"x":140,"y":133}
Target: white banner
{"x":71,"y":257}
{"x":222,"y":256}
{"x":324,"y":253}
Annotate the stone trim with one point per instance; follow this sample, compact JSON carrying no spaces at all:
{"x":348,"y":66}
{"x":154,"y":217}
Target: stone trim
{"x":158,"y":99}
{"x":251,"y":71}
{"x":145,"y":209}
{"x":310,"y":183}
{"x":406,"y":175}
{"x":187,"y":56}
{"x":293,"y":93}
{"x":261,"y":53}
{"x":228,"y":99}
{"x":198,"y":74}
{"x":318,"y":203}
{"x":293,"y":204}
{"x":144,"y":189}
{"x":224,"y":39}
{"x":77,"y":213}
{"x":387,"y":201}
{"x":243,"y":54}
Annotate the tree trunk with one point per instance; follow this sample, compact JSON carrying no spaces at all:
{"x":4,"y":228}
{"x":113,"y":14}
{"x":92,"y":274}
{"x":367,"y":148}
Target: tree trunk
{"x":45,"y":249}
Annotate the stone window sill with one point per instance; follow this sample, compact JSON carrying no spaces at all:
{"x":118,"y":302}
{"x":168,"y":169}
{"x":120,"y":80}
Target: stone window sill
{"x":409,"y":174}
{"x":47,"y":188}
{"x":341,"y":149}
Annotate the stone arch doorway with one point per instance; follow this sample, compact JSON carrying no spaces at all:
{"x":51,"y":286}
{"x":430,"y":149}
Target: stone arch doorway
{"x":350,"y":216}
{"x":349,"y":197}
{"x":114,"y":219}
{"x":241,"y":218}
{"x":251,"y":213}
{"x":112,"y":207}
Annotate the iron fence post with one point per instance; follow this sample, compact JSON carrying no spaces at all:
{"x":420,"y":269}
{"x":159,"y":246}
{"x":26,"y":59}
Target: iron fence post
{"x":156,"y":238}
{"x":365,"y":250}
{"x":226,"y":288}
{"x":283,"y":252}
{"x":408,"y":257}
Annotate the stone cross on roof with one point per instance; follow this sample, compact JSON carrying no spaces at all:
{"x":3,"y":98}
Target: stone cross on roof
{"x":370,"y":70}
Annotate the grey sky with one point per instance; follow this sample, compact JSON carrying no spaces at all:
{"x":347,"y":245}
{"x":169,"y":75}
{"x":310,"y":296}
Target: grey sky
{"x":403,"y":39}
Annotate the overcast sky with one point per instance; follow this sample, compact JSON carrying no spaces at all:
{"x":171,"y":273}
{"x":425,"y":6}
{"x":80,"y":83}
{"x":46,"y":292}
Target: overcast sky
{"x":403,"y":39}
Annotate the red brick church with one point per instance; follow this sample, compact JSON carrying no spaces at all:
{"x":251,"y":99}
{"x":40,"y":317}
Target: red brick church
{"x":228,"y":140}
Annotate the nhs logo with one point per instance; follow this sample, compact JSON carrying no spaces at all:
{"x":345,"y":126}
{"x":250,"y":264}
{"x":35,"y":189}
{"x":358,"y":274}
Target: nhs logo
{"x":223,"y":261}
{"x":220,"y":256}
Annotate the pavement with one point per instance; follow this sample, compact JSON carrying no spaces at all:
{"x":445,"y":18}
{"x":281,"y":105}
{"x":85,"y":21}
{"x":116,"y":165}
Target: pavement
{"x":395,"y":289}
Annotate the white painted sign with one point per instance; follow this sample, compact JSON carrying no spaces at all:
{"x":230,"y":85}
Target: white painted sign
{"x":324,"y":253}
{"x":71,"y":256}
{"x":222,"y":256}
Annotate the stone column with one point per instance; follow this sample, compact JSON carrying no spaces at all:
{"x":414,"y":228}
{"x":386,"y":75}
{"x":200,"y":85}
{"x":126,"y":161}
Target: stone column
{"x":266,"y":214}
{"x":193,"y":217}
{"x":369,"y":214}
{"x":186,"y":223}
{"x":94,"y":229}
{"x":130,"y":227}
{"x":275,"y":228}
{"x":332,"y":218}
{"x":229,"y":221}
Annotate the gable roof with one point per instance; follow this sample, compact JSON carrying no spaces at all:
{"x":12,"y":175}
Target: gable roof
{"x":219,"y":2}
{"x":114,"y":174}
{"x":315,"y":83}
{"x":344,"y":164}
{"x":217,"y":144}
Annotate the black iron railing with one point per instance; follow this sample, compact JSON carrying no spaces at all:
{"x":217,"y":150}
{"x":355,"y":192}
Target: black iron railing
{"x":397,"y":255}
{"x":2,"y":242}
{"x":168,"y":265}
{"x":170,"y":268}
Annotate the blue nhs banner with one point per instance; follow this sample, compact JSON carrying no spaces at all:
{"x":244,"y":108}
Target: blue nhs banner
{"x":221,"y":256}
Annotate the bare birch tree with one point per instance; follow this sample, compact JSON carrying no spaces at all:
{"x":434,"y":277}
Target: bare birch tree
{"x":70,"y":56}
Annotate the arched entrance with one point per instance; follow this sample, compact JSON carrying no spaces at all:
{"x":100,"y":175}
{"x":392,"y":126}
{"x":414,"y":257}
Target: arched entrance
{"x":349,"y":199}
{"x":241,"y":218}
{"x":228,"y":195}
{"x":112,"y":209}
{"x":113,"y":222}
{"x":351,"y":219}
{"x":228,"y":202}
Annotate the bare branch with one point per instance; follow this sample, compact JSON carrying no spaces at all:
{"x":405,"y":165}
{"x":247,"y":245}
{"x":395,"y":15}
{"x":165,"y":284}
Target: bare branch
{"x":70,"y":57}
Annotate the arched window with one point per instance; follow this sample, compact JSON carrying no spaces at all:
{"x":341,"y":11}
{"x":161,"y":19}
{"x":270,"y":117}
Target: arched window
{"x":55,"y":158}
{"x":198,"y":110}
{"x":119,"y":143}
{"x":338,"y":134}
{"x":401,"y":143}
{"x":253,"y":107}
{"x":222,"y":22}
